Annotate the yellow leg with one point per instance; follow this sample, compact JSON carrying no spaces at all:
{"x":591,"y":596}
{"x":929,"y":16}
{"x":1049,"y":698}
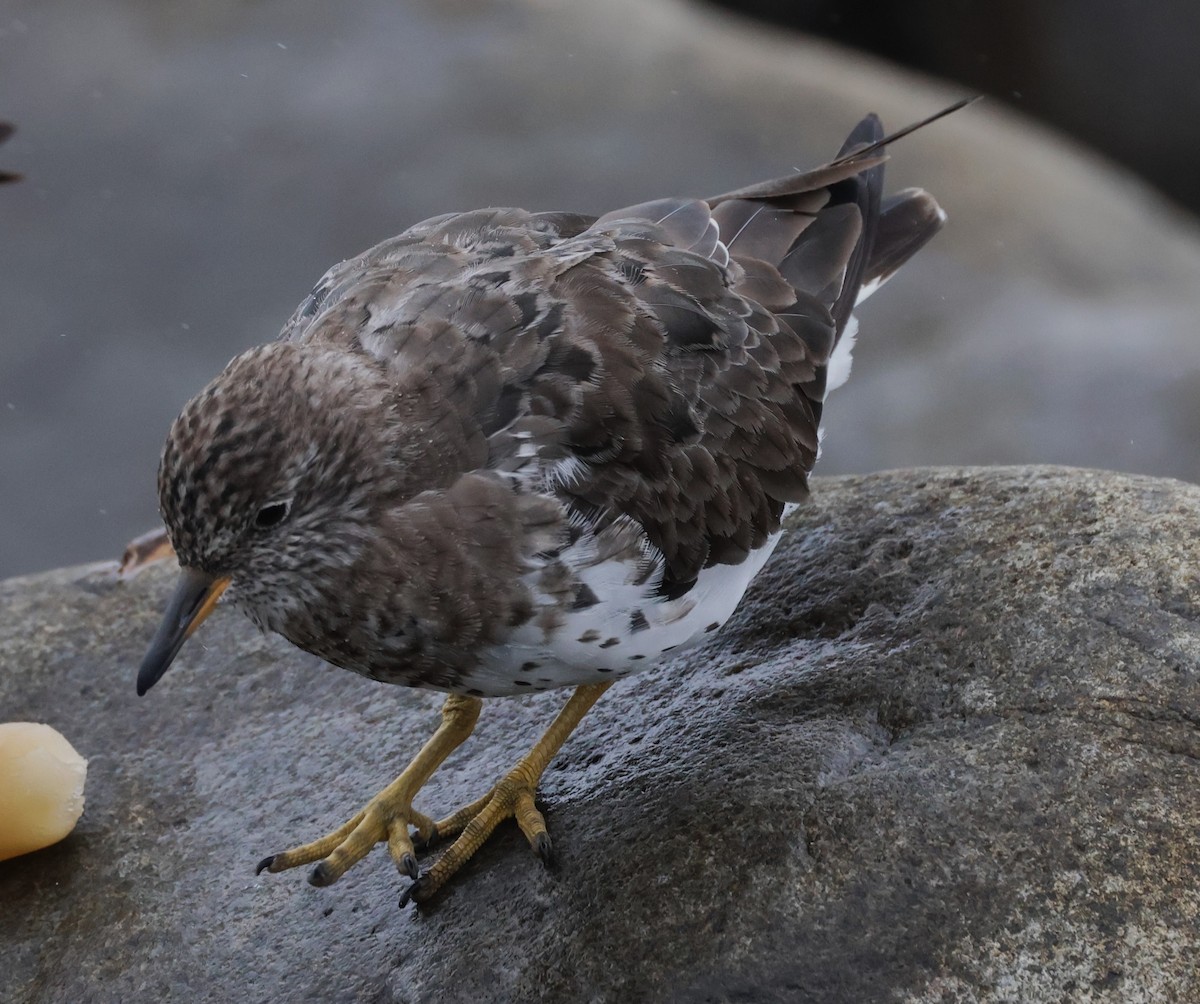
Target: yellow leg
{"x":389,"y":814}
{"x":512,"y":796}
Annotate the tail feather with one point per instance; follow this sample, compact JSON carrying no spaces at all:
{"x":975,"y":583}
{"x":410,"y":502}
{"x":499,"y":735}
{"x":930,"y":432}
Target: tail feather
{"x":865,"y":191}
{"x":855,"y":157}
{"x":810,"y":245}
{"x":907,"y":222}
{"x":839,"y":239}
{"x":817,"y":263}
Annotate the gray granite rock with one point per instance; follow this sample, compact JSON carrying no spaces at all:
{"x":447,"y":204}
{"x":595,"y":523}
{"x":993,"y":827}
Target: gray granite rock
{"x":946,"y":751}
{"x":192,"y":169}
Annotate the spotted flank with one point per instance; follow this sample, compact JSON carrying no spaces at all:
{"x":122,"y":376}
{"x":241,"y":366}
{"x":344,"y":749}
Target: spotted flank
{"x":629,"y":629}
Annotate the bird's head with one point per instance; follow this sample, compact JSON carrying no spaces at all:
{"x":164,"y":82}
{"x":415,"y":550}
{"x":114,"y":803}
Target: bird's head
{"x":263,"y":487}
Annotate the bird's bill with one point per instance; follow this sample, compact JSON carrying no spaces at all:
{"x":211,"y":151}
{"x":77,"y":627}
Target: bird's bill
{"x":194,"y":599}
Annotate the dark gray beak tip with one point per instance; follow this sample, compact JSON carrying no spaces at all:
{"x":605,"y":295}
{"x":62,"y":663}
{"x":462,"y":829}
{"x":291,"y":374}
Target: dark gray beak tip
{"x":146,"y":680}
{"x":192,"y":601}
{"x":159,"y":657}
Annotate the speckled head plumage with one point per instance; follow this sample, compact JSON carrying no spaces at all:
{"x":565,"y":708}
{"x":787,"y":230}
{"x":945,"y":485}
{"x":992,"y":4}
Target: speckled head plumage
{"x":268,"y":482}
{"x":282,"y":453}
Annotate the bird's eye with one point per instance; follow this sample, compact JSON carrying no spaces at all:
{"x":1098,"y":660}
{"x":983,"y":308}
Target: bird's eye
{"x":271,"y":515}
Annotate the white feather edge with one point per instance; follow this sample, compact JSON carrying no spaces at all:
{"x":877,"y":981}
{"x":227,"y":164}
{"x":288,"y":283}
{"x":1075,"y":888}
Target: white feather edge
{"x":841,"y":360}
{"x":838,"y":371}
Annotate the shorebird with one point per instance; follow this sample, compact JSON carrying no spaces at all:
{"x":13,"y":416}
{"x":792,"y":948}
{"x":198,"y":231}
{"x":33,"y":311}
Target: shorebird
{"x":510,"y":451}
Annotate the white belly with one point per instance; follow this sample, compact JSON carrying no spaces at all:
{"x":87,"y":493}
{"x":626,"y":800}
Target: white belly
{"x":626,"y":631}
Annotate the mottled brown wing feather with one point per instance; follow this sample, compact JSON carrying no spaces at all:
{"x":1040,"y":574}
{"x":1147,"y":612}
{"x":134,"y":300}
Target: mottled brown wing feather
{"x":664,"y":362}
{"x":717,"y":429}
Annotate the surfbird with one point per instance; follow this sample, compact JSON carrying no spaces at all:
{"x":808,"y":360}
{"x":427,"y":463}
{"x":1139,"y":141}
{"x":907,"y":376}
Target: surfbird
{"x":510,"y":451}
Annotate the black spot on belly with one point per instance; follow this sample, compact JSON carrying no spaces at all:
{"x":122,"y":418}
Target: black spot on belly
{"x":610,"y":643}
{"x":603,"y":669}
{"x":528,"y":666}
{"x":637,"y":657}
{"x":638,"y":622}
{"x":584,"y":597}
{"x":522,"y":683}
{"x":713,"y":626}
{"x":669,"y":647}
{"x":589,"y":635}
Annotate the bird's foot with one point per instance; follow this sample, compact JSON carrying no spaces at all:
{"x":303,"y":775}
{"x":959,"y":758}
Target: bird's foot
{"x":511,"y":798}
{"x":386,"y":818}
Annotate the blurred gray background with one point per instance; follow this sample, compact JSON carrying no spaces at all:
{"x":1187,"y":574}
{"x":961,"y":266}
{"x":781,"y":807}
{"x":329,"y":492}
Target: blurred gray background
{"x":1119,"y":76}
{"x":191,"y":170}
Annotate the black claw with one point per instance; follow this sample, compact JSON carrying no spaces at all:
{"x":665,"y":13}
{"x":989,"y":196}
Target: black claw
{"x":544,"y":849}
{"x":412,"y":894}
{"x":320,"y":876}
{"x":264,"y":864}
{"x":418,"y":892}
{"x":408,"y":865}
{"x":423,"y":844}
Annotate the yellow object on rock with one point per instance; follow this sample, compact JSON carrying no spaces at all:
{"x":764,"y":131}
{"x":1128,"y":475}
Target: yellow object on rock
{"x":41,"y":787}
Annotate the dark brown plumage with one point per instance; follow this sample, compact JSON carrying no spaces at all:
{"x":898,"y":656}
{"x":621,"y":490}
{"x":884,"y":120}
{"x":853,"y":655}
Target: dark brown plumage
{"x":507,"y":450}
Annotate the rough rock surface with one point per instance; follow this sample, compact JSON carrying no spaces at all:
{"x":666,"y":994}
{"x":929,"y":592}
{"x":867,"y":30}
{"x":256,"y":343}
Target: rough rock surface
{"x":192,"y":169}
{"x":946,"y":751}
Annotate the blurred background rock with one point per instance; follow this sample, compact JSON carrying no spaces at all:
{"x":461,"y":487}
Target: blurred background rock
{"x":1119,"y":76}
{"x":191,"y":170}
